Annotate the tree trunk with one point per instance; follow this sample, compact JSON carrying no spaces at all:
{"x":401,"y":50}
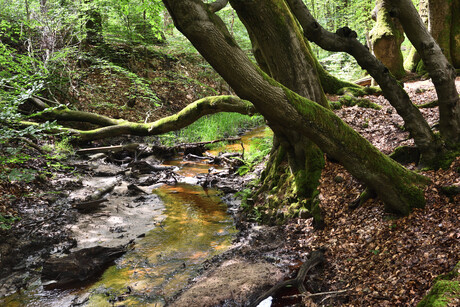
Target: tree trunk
{"x":292,"y":65}
{"x":116,"y":127}
{"x":386,"y":39}
{"x":455,"y":34}
{"x":285,"y":110}
{"x":413,"y":61}
{"x":440,"y":23}
{"x":441,"y":71}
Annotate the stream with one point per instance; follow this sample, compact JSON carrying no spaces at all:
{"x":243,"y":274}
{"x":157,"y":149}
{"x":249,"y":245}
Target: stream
{"x":175,"y":228}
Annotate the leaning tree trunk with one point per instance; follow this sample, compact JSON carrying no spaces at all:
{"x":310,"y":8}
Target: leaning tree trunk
{"x":285,"y":110}
{"x":441,"y":71}
{"x":413,"y":62}
{"x":386,"y":39}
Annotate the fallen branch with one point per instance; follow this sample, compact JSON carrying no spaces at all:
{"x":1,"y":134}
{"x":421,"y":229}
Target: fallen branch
{"x":316,"y":294}
{"x":316,"y":258}
{"x":181,"y":145}
{"x":113,"y":149}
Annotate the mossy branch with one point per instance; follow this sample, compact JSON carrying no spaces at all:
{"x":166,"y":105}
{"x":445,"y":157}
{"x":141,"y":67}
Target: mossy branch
{"x":116,"y":127}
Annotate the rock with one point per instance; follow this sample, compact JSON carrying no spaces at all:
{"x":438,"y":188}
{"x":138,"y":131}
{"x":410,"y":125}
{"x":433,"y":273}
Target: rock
{"x":79,"y":266}
{"x":236,"y":281}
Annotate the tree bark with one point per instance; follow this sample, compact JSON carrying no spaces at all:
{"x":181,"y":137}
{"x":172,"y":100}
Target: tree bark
{"x":386,"y":38}
{"x":440,"y":23}
{"x":455,"y":34}
{"x":441,"y":71}
{"x":398,"y":187}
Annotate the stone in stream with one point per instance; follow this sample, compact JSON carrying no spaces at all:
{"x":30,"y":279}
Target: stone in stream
{"x":79,"y":266}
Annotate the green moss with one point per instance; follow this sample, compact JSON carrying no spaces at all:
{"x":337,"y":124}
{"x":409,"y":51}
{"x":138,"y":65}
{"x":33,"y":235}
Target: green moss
{"x":335,"y":105}
{"x":445,"y":160}
{"x":412,"y":60}
{"x":421,"y":69}
{"x":429,"y":105}
{"x":442,"y":292}
{"x":358,"y":91}
{"x":351,"y":101}
{"x":388,"y":32}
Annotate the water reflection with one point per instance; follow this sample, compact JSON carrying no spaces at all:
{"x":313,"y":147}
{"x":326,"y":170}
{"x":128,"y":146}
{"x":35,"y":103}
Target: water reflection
{"x":196,"y":226}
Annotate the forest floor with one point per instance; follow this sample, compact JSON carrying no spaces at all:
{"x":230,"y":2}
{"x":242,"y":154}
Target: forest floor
{"x":380,"y":260}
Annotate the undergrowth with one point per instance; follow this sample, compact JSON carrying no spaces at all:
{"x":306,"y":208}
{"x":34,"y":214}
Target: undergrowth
{"x":260,"y":147}
{"x":213,"y":127}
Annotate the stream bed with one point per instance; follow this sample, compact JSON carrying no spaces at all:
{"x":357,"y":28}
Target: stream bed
{"x":175,"y":228}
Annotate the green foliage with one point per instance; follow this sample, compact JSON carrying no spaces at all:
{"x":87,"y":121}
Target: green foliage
{"x":260,"y":147}
{"x":140,"y":87}
{"x":63,"y":148}
{"x":7,"y":221}
{"x":332,"y":15}
{"x":22,"y":175}
{"x":213,"y":127}
{"x":342,"y":66}
{"x":134,"y":21}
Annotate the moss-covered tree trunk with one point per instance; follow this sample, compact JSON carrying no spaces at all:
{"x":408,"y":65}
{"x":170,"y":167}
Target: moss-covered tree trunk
{"x":293,"y":65}
{"x":386,"y":38}
{"x":345,"y":40}
{"x":285,"y":110}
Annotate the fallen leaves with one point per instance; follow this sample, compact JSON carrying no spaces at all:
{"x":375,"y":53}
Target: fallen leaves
{"x":387,"y":261}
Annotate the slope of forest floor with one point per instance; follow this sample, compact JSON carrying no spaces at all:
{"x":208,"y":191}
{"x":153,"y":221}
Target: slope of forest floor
{"x":379,"y":259}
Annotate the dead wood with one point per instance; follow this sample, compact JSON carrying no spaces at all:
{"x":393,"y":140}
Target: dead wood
{"x":89,"y":206}
{"x":113,"y":149}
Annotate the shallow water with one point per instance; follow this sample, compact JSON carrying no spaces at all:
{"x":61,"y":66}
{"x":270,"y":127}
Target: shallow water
{"x":196,"y":226}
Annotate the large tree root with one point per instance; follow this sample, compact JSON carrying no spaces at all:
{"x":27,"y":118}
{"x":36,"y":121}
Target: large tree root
{"x":316,"y":258}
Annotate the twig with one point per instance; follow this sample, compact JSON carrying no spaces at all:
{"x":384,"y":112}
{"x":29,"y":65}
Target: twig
{"x":316,"y":294}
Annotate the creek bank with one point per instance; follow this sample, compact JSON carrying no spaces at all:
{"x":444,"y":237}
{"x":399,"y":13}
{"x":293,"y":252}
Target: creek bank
{"x":122,"y":209}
